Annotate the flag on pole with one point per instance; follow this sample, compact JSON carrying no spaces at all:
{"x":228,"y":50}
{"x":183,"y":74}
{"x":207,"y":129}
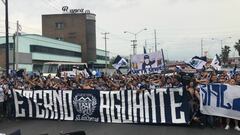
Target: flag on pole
{"x":118,"y":62}
{"x":144,"y":50}
{"x":216,"y":63}
{"x":197,"y":62}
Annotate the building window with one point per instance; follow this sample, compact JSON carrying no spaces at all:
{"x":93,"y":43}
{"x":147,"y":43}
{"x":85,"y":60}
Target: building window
{"x":11,"y":46}
{"x":59,"y":38}
{"x":54,"y":51}
{"x":72,"y":33}
{"x":72,"y":37}
{"x":99,"y":57}
{"x":59,"y":25}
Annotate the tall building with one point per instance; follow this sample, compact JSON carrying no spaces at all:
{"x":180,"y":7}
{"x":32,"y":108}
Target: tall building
{"x":75,"y":28}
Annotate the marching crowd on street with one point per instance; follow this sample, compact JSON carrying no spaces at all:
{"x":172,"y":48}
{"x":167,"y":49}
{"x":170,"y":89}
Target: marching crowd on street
{"x":118,"y":81}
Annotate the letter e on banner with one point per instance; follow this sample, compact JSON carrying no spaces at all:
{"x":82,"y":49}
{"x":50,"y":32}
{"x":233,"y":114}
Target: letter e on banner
{"x":19,"y":112}
{"x":175,"y":105}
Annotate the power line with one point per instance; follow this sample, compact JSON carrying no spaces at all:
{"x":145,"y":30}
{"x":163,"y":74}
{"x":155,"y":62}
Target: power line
{"x":56,"y":2}
{"x":24,"y":26}
{"x":112,"y":34}
{"x":50,"y":5}
{"x":1,"y":20}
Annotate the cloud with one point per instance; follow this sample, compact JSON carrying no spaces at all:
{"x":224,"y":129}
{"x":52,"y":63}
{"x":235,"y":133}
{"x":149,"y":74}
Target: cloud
{"x":173,"y":19}
{"x":104,"y":5}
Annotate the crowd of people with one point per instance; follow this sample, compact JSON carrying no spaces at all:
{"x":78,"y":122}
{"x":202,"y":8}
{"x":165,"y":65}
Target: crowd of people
{"x":117,"y":81}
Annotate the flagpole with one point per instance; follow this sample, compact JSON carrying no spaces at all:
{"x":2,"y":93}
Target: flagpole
{"x":164,"y":66}
{"x":163,"y":58}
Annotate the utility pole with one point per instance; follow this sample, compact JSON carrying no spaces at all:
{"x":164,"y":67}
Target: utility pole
{"x":134,"y":46}
{"x":135,"y":39}
{"x":7,"y":40}
{"x":150,"y":50}
{"x":105,"y":38}
{"x":16,"y":44}
{"x":155,"y":37}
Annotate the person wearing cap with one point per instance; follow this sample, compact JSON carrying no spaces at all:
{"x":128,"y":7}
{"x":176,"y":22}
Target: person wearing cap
{"x":147,"y":62}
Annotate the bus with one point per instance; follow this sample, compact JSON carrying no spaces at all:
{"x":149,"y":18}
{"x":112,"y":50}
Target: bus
{"x":63,"y":68}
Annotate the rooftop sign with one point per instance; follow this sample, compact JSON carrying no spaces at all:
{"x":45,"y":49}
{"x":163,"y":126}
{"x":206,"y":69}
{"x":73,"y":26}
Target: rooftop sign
{"x":66,"y":9}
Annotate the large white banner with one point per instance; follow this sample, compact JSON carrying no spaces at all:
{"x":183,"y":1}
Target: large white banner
{"x":150,"y":61}
{"x":162,"y":105}
{"x":220,"y":100}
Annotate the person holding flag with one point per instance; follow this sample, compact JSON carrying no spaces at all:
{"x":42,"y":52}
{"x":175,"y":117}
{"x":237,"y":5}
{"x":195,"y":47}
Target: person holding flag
{"x":216,"y":63}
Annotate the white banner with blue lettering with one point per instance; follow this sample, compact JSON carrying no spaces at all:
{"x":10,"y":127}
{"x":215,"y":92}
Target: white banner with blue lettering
{"x":130,"y":106}
{"x":147,"y":63}
{"x":220,"y":100}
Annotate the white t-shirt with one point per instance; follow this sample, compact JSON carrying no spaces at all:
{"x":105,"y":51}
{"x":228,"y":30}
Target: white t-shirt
{"x":1,"y":94}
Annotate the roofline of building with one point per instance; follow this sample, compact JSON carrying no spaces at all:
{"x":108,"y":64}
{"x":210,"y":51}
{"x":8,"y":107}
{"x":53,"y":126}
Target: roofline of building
{"x":68,"y":14}
{"x":102,"y":50}
{"x":42,"y":37}
{"x":51,"y":39}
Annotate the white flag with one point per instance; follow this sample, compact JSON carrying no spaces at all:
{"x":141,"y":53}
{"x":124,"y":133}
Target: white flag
{"x":118,"y":62}
{"x":216,"y":63}
{"x":196,"y":62}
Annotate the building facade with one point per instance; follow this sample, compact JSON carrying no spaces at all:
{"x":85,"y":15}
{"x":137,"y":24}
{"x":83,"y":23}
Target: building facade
{"x":34,"y":50}
{"x":75,"y":28}
{"x":101,"y":59}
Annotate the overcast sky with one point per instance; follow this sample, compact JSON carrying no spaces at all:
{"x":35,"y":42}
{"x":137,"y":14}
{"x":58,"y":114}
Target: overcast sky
{"x":180,"y":24}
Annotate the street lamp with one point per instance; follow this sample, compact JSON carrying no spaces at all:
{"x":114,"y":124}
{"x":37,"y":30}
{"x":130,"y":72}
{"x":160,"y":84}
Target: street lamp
{"x":202,"y":44}
{"x":221,"y":40}
{"x":135,"y":39}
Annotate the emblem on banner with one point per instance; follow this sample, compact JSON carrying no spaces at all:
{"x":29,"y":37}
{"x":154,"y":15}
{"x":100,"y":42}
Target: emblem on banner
{"x":85,"y":104}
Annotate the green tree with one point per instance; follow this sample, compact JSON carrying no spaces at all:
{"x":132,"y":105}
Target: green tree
{"x":237,"y":47}
{"x":225,"y":54}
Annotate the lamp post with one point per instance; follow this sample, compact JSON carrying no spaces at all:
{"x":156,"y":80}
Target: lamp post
{"x":135,"y":39}
{"x":221,"y":41}
{"x":202,"y":39}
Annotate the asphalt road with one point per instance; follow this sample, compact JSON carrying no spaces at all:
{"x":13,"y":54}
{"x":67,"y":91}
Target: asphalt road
{"x":37,"y":127}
